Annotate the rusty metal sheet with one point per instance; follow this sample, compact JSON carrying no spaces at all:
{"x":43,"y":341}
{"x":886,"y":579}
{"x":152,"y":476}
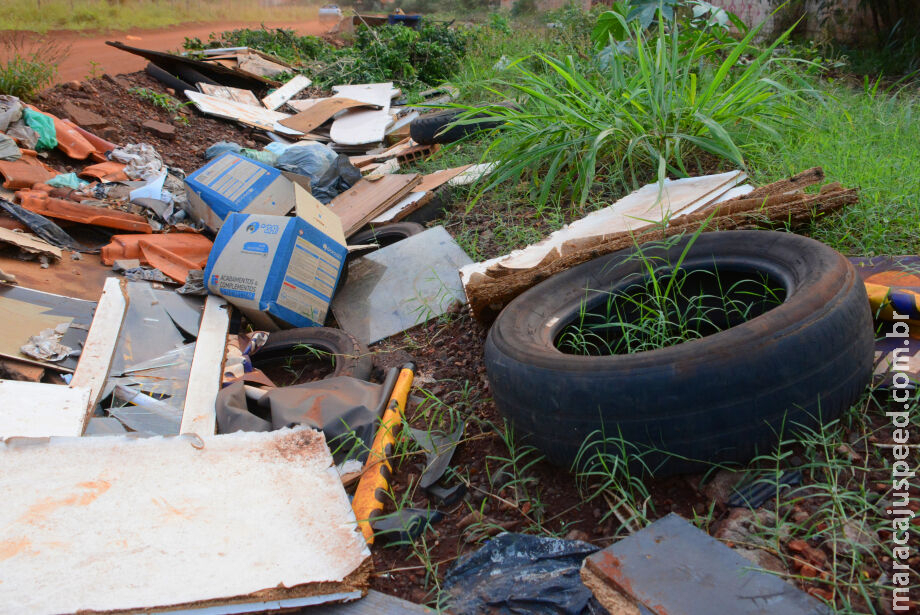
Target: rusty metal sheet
{"x":673,"y":567}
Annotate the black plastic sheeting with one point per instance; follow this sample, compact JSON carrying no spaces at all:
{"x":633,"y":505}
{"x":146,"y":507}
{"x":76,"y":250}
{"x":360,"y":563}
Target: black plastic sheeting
{"x":517,"y":573}
{"x":345,"y":409}
{"x":43,"y":227}
{"x":338,"y":178}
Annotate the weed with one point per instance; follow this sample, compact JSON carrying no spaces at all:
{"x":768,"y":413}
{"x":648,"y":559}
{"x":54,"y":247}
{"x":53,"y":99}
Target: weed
{"x":513,"y":477}
{"x":655,"y":110}
{"x":664,"y":304}
{"x":30,"y":65}
{"x":163,"y":101}
{"x":837,"y":506}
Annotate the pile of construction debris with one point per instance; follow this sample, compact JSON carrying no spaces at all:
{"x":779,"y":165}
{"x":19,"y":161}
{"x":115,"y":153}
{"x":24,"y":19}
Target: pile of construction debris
{"x":204,"y":269}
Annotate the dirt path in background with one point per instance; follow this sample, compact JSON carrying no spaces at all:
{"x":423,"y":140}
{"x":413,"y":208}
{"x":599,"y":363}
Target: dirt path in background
{"x":82,"y":48}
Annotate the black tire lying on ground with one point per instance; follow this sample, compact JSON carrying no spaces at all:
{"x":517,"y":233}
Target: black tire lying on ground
{"x":387,"y":234}
{"x":721,"y":398}
{"x":351,"y":356}
{"x":428,"y":129}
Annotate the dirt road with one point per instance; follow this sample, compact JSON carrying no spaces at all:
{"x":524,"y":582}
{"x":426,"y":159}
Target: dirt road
{"x":83,"y":49}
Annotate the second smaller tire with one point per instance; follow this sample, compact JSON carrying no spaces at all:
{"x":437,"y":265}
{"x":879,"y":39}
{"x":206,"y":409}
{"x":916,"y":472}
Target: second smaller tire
{"x":351,"y":356}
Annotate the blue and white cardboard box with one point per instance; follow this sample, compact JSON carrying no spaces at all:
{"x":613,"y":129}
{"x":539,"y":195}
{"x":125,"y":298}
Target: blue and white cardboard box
{"x":234,"y":183}
{"x":279,"y":270}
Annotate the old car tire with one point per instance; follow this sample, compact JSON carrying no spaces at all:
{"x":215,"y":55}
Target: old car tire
{"x":721,"y":398}
{"x":387,"y":234}
{"x":351,"y":356}
{"x":429,"y":129}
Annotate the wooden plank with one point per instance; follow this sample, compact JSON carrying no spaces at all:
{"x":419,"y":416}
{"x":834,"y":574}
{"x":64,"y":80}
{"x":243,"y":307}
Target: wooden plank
{"x":101,"y":341}
{"x":320,"y":112}
{"x":199,"y":414}
{"x":262,"y":118}
{"x":438,"y":178}
{"x":362,"y":202}
{"x":245,"y":97}
{"x":286,"y":92}
{"x":270,"y":504}
{"x":358,"y":127}
{"x":39,"y":410}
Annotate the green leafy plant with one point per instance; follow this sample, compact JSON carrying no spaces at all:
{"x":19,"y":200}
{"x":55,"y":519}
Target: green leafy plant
{"x":673,"y":100}
{"x":163,"y":101}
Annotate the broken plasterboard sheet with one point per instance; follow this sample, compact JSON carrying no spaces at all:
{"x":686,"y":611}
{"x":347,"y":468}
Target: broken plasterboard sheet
{"x":472,"y":174}
{"x":39,"y":410}
{"x":266,"y":119}
{"x":287,"y":91}
{"x":25,"y":312}
{"x":245,"y":97}
{"x":649,"y":205}
{"x":225,"y":520}
{"x":402,"y":285}
{"x":357,"y":127}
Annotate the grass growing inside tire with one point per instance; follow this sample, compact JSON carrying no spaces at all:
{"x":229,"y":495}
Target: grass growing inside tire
{"x":667,"y":304}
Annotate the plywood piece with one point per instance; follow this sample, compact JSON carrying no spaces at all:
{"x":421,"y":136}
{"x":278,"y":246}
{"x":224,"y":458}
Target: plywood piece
{"x":117,"y":524}
{"x":259,"y":117}
{"x":25,"y":312}
{"x":38,"y":410}
{"x":29,"y":243}
{"x":101,"y":341}
{"x":409,"y":204}
{"x":649,"y":205}
{"x":239,"y":95}
{"x":286,"y":92}
{"x":367,"y":199}
{"x":319,"y":112}
{"x":438,"y":178}
{"x":199,"y":413}
{"x":358,"y":127}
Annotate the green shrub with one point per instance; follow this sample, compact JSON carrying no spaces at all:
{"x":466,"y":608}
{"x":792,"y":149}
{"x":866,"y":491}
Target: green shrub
{"x":28,"y":69}
{"x":656,"y":106}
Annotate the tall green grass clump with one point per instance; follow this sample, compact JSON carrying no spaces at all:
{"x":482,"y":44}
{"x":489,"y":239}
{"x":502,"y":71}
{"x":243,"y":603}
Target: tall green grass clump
{"x":29,"y":67}
{"x":659,"y":102}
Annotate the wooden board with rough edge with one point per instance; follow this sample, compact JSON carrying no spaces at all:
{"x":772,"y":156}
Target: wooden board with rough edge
{"x":199,"y":414}
{"x":271,"y":501}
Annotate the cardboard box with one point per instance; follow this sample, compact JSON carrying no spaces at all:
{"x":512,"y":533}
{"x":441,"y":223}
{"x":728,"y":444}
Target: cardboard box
{"x":279,"y":269}
{"x":234,"y":183}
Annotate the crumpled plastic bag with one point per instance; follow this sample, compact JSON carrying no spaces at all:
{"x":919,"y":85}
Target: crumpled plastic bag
{"x":10,"y":111}
{"x":519,"y":573}
{"x":44,"y":126}
{"x":142,"y":160}
{"x":8,"y":148}
{"x":220,"y":147}
{"x":67,"y":180}
{"x":47,"y":346}
{"x":310,"y":159}
{"x":339,"y":177}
